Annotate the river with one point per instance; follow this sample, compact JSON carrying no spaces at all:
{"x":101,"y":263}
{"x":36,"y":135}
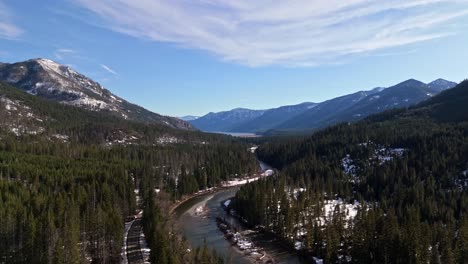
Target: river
{"x":198,"y":229}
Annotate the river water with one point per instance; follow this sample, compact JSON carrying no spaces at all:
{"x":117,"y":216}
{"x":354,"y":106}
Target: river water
{"x":198,"y":229}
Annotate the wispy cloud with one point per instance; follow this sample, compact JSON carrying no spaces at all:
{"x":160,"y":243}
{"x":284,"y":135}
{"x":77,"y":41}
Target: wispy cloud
{"x":293,"y":33}
{"x":8,"y":30}
{"x":62,"y":52}
{"x":108,"y":69}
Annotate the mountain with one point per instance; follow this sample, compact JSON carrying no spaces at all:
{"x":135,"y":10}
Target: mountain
{"x":272,"y":118}
{"x":356,"y":106}
{"x":325,"y":110}
{"x":227,"y":120}
{"x":448,"y":106}
{"x":441,"y":85}
{"x":53,"y":81}
{"x":311,"y":116}
{"x":30,"y":118}
{"x":189,"y":118}
{"x":249,"y":121}
{"x":406,"y":159}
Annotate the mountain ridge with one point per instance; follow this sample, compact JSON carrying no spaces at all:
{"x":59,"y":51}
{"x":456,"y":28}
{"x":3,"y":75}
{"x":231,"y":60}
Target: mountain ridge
{"x":351,"y":107}
{"x":57,"y":82}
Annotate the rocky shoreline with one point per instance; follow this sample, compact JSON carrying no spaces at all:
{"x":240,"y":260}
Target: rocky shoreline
{"x":243,"y":243}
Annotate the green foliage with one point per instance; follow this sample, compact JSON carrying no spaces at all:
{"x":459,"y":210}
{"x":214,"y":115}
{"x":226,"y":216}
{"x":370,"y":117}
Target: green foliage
{"x":414,"y":207}
{"x":65,"y":202}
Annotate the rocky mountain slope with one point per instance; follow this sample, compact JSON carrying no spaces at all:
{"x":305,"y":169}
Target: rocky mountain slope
{"x":53,"y":81}
{"x":28,"y":118}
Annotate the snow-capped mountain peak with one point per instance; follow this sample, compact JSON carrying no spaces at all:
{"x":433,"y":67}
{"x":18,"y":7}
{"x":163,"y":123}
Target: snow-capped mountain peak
{"x":61,"y":83}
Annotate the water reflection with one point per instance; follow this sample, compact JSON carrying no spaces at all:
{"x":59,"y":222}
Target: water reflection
{"x":199,"y":228}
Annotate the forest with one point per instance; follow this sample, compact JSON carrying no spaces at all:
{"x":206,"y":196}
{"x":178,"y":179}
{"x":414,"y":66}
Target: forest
{"x":61,"y":203}
{"x":65,"y":201}
{"x":390,"y":189}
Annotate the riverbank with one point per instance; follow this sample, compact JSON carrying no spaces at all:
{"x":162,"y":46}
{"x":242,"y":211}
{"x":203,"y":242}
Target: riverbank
{"x":265,"y":235}
{"x":241,"y":241}
{"x":202,"y":228}
{"x":192,"y":196}
{"x":195,"y":216}
{"x":224,"y":186}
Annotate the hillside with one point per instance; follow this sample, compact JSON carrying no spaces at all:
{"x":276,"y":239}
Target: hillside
{"x":307,"y":117}
{"x":71,"y":178}
{"x":272,"y":118}
{"x":24,"y":115}
{"x":357,"y":106}
{"x":374,"y":191}
{"x":53,"y":81}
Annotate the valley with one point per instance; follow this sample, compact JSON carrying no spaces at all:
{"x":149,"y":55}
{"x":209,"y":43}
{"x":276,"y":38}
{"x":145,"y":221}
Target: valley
{"x":112,"y":189}
{"x":233,"y":132}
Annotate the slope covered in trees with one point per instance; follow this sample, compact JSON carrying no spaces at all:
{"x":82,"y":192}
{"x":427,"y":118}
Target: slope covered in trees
{"x":63,"y":199}
{"x":390,"y":189}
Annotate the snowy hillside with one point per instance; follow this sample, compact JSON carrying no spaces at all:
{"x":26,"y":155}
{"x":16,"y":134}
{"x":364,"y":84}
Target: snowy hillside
{"x":51,"y":80}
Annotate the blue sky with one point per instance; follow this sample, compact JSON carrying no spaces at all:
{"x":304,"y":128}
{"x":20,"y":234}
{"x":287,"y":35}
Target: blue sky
{"x":184,"y":57}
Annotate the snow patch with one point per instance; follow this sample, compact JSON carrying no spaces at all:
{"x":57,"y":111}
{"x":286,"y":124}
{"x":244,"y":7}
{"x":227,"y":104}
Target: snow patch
{"x":165,"y":140}
{"x":87,"y":101}
{"x":348,"y":167}
{"x":318,"y":260}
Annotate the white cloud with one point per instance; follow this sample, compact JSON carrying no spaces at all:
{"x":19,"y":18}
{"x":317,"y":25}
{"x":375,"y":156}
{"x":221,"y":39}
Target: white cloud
{"x":293,"y":33}
{"x":7,"y":29}
{"x":108,"y":69}
{"x":61,"y":53}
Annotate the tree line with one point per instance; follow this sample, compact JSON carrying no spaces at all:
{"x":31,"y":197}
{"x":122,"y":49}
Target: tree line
{"x":413,"y":208}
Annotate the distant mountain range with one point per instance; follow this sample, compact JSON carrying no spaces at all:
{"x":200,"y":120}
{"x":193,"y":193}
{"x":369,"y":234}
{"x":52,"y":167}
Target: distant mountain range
{"x":226,"y":121}
{"x":53,"y":81}
{"x":310,"y":116}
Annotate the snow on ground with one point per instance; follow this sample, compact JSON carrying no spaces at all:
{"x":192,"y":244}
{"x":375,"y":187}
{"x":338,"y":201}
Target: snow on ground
{"x":19,"y":117}
{"x":125,"y":140}
{"x":15,"y":131}
{"x":318,"y":261}
{"x":253,"y":149}
{"x":237,"y":182}
{"x":462,"y":180}
{"x":50,"y":65}
{"x":295,"y":192}
{"x":350,"y":210}
{"x":268,"y":173}
{"x":91,"y":102}
{"x":63,"y":138}
{"x":21,"y":130}
{"x":123,"y":255}
{"x":381,"y":156}
{"x":298,"y":245}
{"x":9,"y":104}
{"x":145,"y":249}
{"x":348,"y":166}
{"x":165,"y":140}
{"x":384,"y":155}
